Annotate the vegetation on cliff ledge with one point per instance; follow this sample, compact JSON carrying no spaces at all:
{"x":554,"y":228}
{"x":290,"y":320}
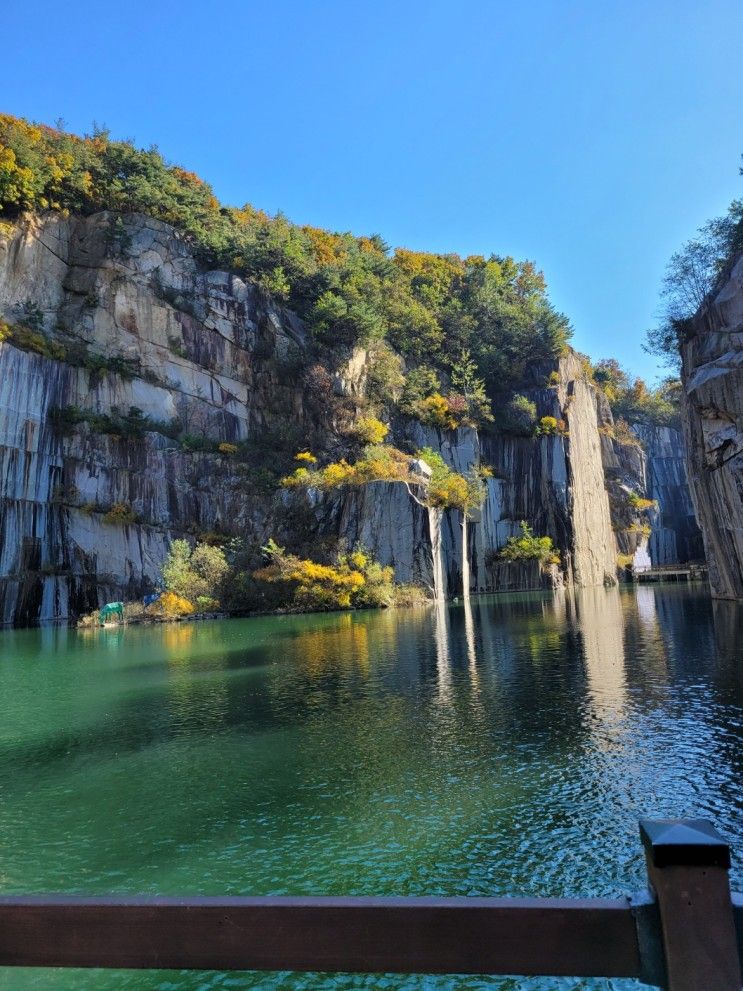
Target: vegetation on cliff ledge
{"x":633,"y":401}
{"x":527,"y":547}
{"x":207,"y":579}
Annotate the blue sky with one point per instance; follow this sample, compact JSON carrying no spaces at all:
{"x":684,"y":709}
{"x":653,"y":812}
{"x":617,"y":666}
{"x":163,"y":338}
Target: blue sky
{"x":591,"y":137}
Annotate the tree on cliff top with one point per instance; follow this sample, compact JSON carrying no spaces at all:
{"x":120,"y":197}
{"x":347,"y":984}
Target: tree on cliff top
{"x":633,"y":400}
{"x":350,"y":290}
{"x":692,"y":274}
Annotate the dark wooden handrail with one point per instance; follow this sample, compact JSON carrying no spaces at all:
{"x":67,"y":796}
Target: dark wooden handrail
{"x":681,"y":935}
{"x":595,"y":937}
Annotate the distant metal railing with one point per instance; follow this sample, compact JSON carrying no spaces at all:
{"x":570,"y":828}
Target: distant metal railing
{"x":691,"y":571}
{"x":684,"y":934}
{"x":683,"y":566}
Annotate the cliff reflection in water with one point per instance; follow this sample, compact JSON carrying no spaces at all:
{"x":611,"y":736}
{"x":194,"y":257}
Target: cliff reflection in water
{"x":600,"y":620}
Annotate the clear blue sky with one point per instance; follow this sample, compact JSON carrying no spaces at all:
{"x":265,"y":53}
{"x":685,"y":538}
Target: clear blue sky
{"x":592,"y":137}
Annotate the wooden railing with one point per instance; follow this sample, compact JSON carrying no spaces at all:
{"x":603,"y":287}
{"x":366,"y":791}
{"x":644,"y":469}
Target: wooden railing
{"x":684,"y":934}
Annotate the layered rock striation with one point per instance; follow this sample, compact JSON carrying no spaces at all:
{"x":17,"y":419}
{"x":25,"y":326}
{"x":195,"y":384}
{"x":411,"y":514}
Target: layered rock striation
{"x":555,"y":482}
{"x":88,"y":514}
{"x":675,"y":537}
{"x":712,"y":375}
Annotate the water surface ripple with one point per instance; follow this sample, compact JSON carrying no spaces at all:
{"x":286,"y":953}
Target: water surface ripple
{"x":505,"y":749}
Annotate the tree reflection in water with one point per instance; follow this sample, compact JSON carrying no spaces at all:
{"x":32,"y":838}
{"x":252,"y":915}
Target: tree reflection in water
{"x":440,"y":616}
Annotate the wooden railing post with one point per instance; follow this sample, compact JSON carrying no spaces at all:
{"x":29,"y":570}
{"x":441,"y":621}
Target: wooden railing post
{"x":687,"y":862}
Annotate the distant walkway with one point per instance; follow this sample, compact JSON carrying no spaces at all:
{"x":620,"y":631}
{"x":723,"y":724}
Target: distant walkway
{"x":692,"y":571}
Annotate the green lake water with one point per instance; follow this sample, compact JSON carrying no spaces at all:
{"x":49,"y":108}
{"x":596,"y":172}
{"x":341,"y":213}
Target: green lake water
{"x":506,"y":749}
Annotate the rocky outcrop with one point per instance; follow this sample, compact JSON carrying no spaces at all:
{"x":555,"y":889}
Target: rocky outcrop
{"x":712,"y":375}
{"x":593,"y":559}
{"x":647,"y":462}
{"x":625,"y":472}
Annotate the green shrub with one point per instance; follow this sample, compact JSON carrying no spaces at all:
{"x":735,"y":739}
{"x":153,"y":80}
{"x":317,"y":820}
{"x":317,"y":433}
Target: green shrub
{"x":408,"y":595}
{"x":384,"y":379}
{"x":175,"y":346}
{"x":420,"y":383}
{"x":74,"y":352}
{"x":640,"y":504}
{"x":370,"y":430}
{"x":171,"y":605}
{"x":527,"y":547}
{"x":378,"y":590}
{"x":520,"y":416}
{"x":548,"y":426}
{"x":132,"y":425}
{"x":624,"y":434}
{"x":27,"y":339}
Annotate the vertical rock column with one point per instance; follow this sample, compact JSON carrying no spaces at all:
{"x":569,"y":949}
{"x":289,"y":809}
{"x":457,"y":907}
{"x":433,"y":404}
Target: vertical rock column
{"x":593,"y":547}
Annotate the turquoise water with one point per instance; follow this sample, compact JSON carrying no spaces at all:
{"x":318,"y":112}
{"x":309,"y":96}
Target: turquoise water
{"x":509,"y":749}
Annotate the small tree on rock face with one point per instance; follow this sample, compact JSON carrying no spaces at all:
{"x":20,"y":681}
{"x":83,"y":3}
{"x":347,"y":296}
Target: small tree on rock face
{"x":370,"y":430}
{"x":521,"y":415}
{"x":465,"y":380}
{"x":435,"y":492}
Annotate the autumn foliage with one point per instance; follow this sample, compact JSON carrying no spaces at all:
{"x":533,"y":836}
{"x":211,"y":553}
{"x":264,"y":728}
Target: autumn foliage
{"x":354,"y":580}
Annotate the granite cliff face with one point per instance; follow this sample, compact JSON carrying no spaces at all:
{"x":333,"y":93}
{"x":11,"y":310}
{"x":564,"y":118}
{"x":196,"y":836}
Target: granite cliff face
{"x":649,"y":462}
{"x":712,"y":375}
{"x":205,"y":348}
{"x":94,"y":483}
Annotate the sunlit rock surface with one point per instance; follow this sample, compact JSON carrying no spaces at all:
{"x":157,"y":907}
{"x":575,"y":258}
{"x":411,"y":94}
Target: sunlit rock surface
{"x":208,"y":348}
{"x":554,"y":482}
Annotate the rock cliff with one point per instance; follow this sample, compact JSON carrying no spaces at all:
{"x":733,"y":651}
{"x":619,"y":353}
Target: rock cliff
{"x":145,"y":334}
{"x":127,"y":335}
{"x":555,"y":482}
{"x":712,"y":374}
